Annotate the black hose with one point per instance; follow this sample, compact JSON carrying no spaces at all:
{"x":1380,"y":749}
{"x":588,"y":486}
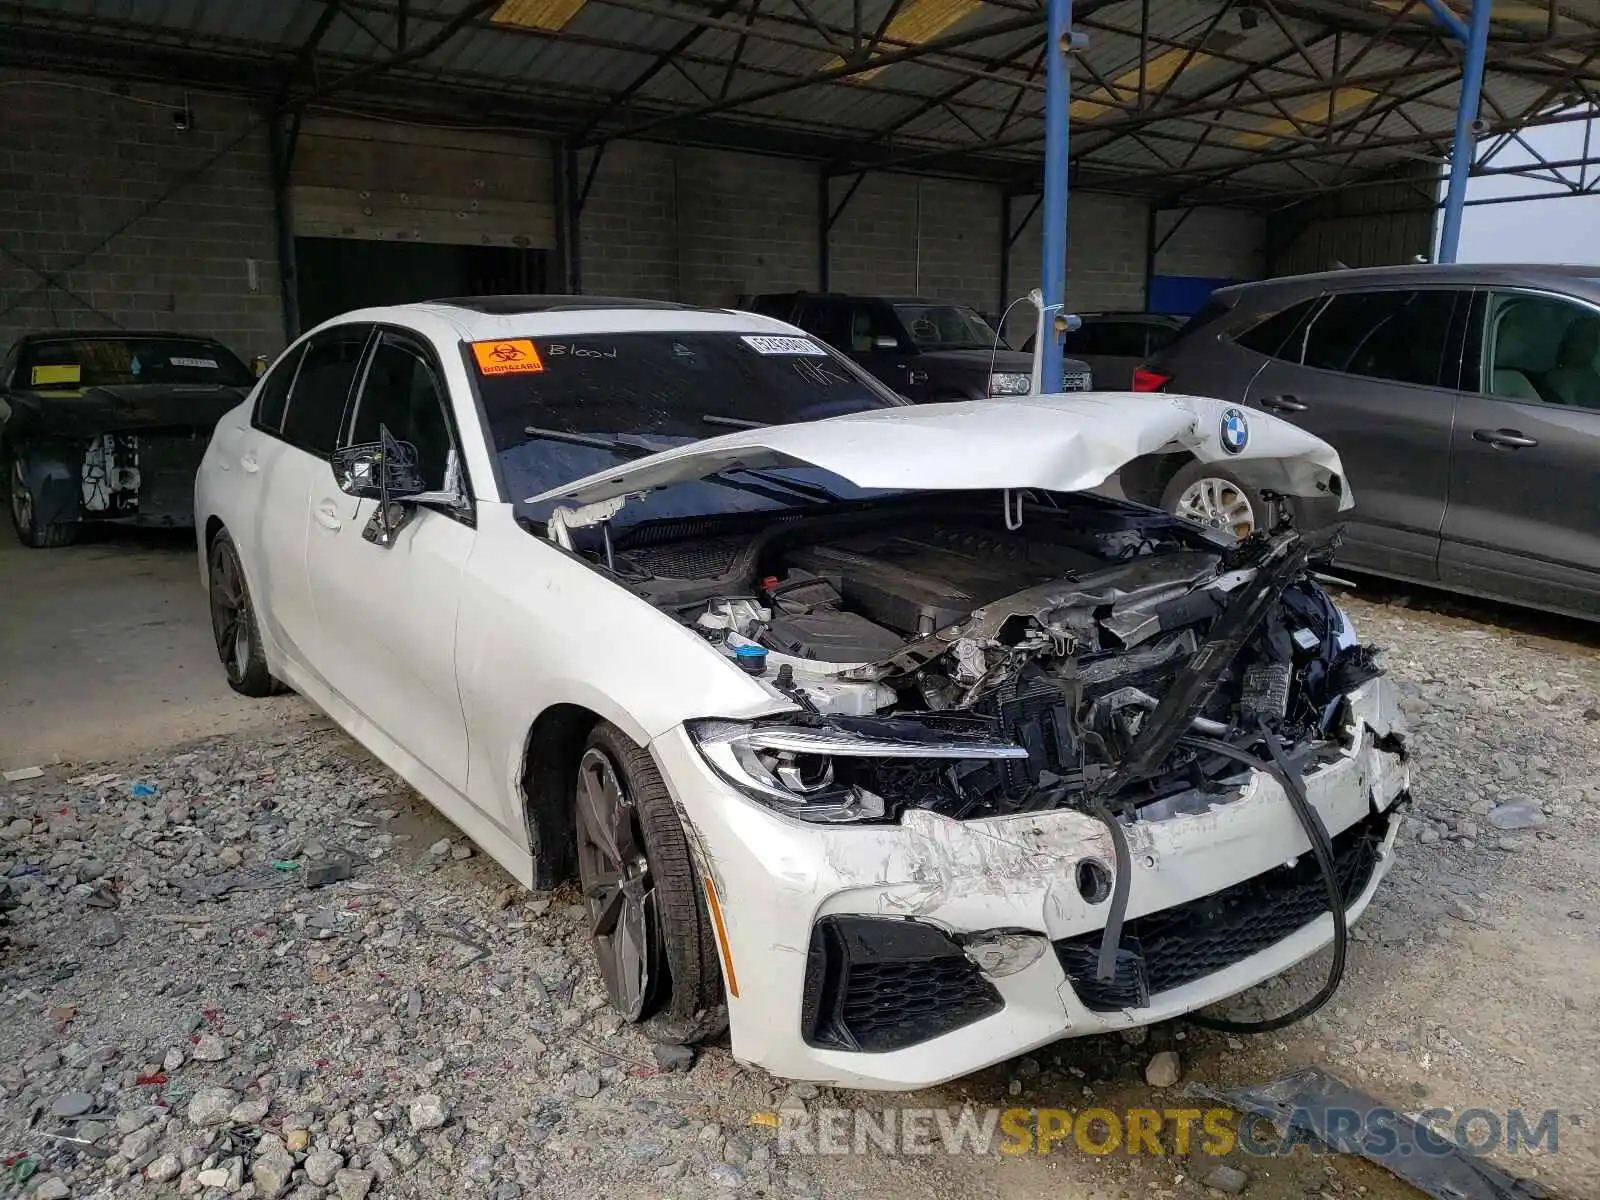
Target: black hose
{"x":1106,"y":966}
{"x":1322,"y":851}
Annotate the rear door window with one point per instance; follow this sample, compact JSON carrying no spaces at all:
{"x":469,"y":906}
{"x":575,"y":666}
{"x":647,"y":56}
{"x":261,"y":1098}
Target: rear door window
{"x":322,"y":388}
{"x":1398,"y":336}
{"x":1541,"y":348}
{"x":273,"y":397}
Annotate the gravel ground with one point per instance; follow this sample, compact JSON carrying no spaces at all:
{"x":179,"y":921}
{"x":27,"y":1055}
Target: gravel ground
{"x":185,"y":1013}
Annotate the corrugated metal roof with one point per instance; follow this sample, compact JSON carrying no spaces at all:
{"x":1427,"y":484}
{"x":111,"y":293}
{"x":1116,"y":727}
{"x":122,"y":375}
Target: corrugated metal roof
{"x":1250,"y":98}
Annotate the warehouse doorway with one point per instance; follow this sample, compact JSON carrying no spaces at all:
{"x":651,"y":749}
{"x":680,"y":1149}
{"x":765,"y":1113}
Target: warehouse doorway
{"x":339,"y":274}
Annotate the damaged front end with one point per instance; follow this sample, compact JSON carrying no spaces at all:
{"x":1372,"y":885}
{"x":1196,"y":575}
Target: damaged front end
{"x":1030,"y":781}
{"x":1101,"y":690}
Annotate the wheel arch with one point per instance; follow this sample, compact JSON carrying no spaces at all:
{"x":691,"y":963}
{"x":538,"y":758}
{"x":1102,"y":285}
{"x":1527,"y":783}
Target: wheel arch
{"x":1146,"y":477}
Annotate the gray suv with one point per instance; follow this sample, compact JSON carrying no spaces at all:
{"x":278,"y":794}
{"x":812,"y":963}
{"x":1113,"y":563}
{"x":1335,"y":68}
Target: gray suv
{"x":1464,"y":400}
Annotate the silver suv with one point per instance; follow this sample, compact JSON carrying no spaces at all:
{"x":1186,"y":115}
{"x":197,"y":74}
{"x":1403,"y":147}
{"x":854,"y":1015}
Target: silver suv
{"x":1463,"y":399}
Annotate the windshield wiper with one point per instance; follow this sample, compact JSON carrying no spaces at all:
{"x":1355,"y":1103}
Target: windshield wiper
{"x":733,"y":422}
{"x":588,"y":439}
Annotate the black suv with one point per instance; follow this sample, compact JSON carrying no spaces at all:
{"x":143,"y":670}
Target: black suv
{"x":927,"y":350}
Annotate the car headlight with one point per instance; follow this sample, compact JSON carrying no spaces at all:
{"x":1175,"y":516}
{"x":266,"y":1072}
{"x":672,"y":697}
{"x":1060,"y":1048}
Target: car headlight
{"x":830,"y":772}
{"x":1008,"y":384}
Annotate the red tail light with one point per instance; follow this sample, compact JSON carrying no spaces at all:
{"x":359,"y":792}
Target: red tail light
{"x":1146,"y":380}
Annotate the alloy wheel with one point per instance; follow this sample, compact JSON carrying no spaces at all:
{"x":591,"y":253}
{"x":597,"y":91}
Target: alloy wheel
{"x":617,"y":885}
{"x":21,"y":497}
{"x":229,"y":624}
{"x":1218,"y":503}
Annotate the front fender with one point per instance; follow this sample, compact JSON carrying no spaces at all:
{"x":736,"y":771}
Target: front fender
{"x":52,"y":472}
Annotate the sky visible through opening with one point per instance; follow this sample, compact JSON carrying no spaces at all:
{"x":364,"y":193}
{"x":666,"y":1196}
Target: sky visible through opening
{"x":1564,"y":229}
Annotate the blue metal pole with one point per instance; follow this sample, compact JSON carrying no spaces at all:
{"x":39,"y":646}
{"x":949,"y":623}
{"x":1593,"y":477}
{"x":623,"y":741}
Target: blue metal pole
{"x":1465,"y":146}
{"x":1053,"y":272}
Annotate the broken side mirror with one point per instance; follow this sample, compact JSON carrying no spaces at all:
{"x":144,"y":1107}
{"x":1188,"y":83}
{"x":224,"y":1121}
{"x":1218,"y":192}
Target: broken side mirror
{"x":259,"y":364}
{"x":384,"y":470}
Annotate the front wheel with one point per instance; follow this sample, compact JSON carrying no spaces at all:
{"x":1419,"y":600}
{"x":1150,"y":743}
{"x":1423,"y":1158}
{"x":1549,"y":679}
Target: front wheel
{"x":25,"y":515}
{"x":1213,"y":497}
{"x":652,"y":940}
{"x":233,"y":622}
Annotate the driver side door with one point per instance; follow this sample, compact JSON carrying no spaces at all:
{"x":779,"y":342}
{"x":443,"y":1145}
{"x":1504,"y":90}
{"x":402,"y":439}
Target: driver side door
{"x":386,"y":615}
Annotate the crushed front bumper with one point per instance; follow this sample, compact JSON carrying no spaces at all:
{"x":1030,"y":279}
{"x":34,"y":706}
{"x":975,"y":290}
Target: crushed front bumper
{"x":1219,"y":901}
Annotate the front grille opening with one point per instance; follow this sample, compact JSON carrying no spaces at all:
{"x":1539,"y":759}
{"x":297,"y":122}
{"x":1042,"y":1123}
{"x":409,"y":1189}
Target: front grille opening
{"x":1167,"y":949}
{"x":876,"y":984}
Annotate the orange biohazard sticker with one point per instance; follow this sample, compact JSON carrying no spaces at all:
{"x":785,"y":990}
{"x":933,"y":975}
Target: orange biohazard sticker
{"x":516,"y":356}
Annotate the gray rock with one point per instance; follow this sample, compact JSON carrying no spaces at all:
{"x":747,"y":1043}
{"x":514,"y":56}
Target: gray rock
{"x":367,"y":1132}
{"x":139,"y":1142}
{"x":71,"y":1104}
{"x":645,"y":1151}
{"x":322,"y":1165}
{"x":53,"y":1188}
{"x":172,"y":1060}
{"x":271,"y":1170}
{"x":426,"y":1112}
{"x":323,"y":872}
{"x":1517,"y":816}
{"x":210,"y":1048}
{"x":673,"y":1058}
{"x":440,"y":848}
{"x":584,"y":1084}
{"x":1227,"y":1179}
{"x":1163,"y":1070}
{"x":460,"y":851}
{"x":104,"y":931}
{"x":351,"y":1184}
{"x":130,"y":1119}
{"x":211,"y":1106}
{"x":506,"y":1189}
{"x":249,"y":1112}
{"x":163,"y":1168}
{"x":1462,"y":911}
{"x":726,"y":1175}
{"x":1428,"y":836}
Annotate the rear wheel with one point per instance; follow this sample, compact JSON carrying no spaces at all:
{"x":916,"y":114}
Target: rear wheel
{"x":25,"y":515}
{"x":1213,"y":497}
{"x":652,"y":940}
{"x":233,"y":622}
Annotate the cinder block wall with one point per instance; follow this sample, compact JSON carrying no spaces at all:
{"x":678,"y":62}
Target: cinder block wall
{"x":145,"y":225}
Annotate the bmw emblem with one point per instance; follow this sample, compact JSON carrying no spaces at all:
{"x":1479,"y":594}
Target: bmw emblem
{"x":1235,"y":431}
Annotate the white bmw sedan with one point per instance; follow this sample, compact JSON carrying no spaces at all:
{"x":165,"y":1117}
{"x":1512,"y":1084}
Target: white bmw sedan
{"x":868,"y":729}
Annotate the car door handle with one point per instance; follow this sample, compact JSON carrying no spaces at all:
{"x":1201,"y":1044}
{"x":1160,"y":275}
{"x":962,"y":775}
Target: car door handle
{"x":1504,"y":439}
{"x":916,"y":377}
{"x":327,"y":515}
{"x":249,"y":463}
{"x":1283,"y":404}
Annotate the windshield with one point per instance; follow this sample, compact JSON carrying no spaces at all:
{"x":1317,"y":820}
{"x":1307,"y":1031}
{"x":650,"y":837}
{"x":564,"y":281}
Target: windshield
{"x":635,"y":393}
{"x":109,"y":361}
{"x":946,"y":327}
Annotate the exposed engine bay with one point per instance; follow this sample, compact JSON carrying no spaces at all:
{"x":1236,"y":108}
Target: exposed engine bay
{"x":1100,"y":644}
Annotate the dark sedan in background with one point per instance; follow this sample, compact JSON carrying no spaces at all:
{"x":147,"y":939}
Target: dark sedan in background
{"x":1463,"y":399}
{"x":109,"y":427}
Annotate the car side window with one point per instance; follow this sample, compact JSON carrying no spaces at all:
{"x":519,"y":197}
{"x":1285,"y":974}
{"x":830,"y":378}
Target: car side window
{"x":1277,"y":335}
{"x":322,"y":388}
{"x":826,"y":320}
{"x":1398,"y":336}
{"x":868,"y":323}
{"x":273,"y":396}
{"x":405,"y":393}
{"x":1541,"y":348}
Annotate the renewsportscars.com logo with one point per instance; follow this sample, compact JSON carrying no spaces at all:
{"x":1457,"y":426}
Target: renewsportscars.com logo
{"x":1214,"y":1131}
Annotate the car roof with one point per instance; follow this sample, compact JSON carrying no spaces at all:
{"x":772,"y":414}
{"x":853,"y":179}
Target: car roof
{"x":506,"y":306}
{"x":1127,"y":315}
{"x":877,"y":299}
{"x":497,"y":317}
{"x":80,"y":335}
{"x":1420,"y":274}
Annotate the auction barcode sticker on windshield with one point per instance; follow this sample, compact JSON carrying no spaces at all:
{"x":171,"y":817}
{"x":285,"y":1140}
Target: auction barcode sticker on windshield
{"x":204,"y":364}
{"x":763,"y":344}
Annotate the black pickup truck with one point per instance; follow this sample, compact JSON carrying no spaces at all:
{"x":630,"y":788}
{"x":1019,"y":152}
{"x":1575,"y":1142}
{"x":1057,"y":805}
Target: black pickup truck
{"x":927,"y":350}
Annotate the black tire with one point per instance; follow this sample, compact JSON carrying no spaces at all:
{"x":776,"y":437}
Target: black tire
{"x":1227,"y":492}
{"x":682,"y":1001}
{"x":24,"y":514}
{"x":233,"y":622}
